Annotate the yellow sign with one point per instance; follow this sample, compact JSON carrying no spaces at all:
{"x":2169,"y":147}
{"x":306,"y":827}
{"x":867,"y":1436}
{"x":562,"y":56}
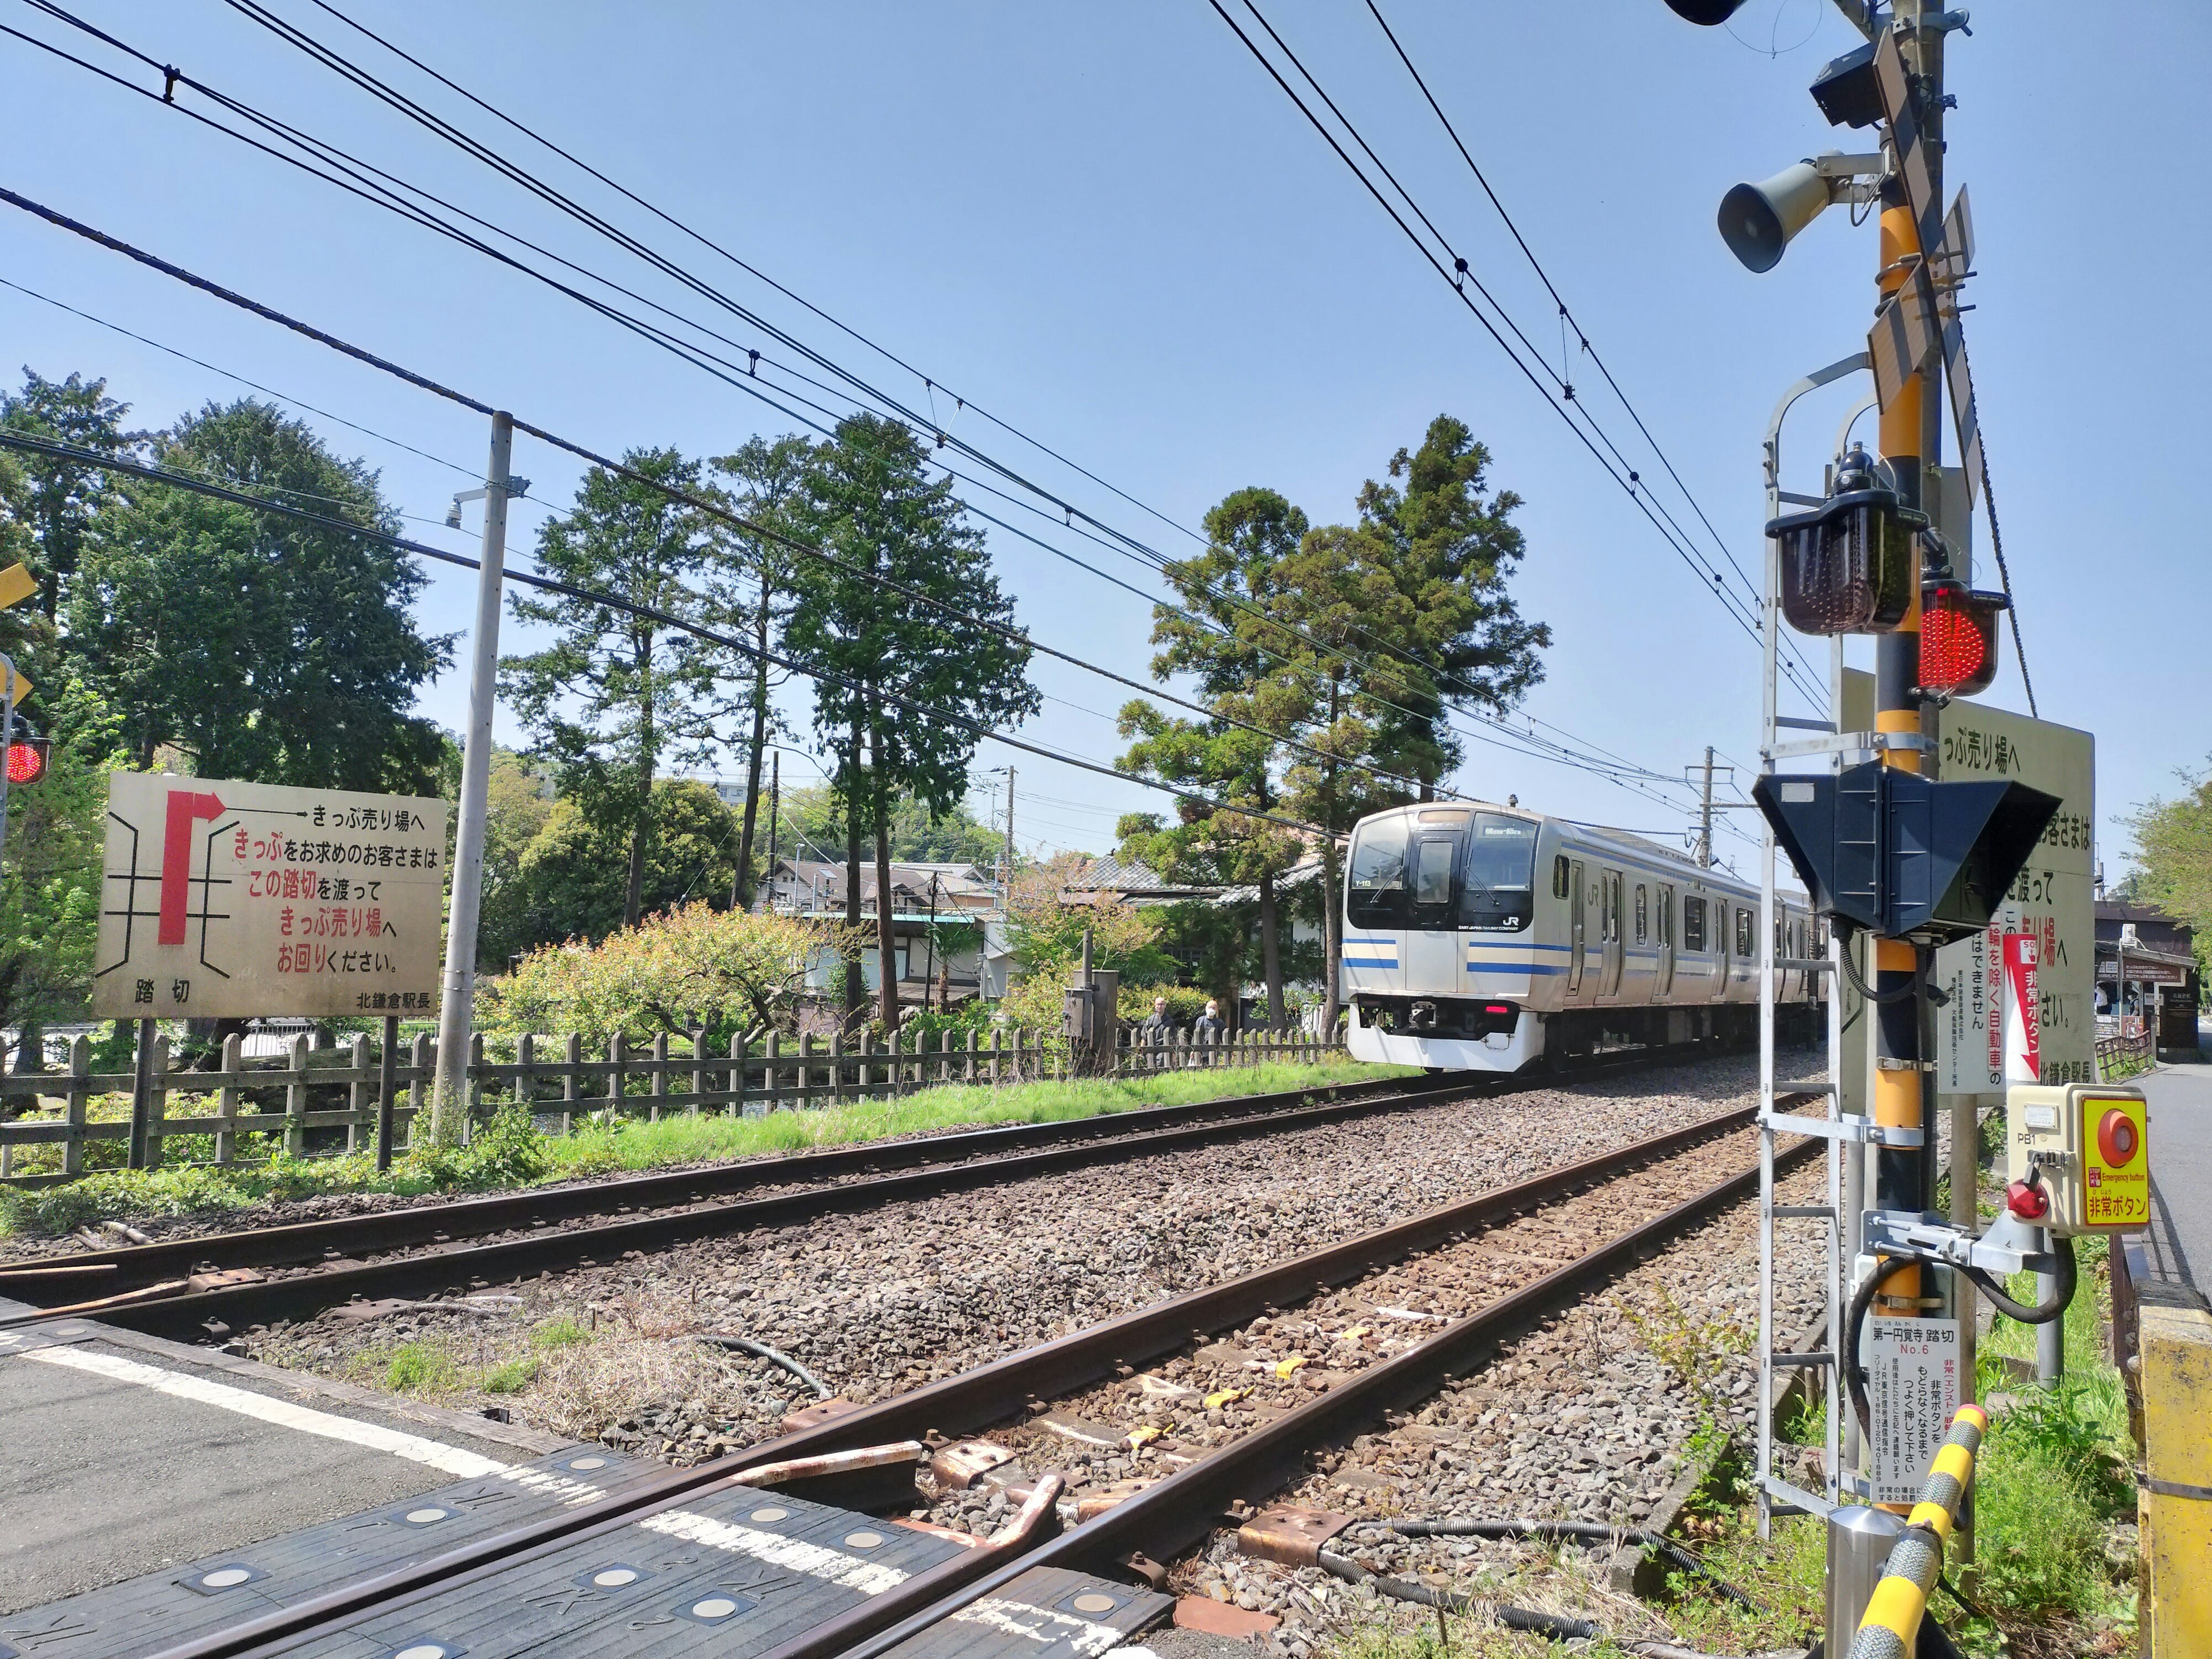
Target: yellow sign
{"x":17,"y":584}
{"x":2115,"y":1165}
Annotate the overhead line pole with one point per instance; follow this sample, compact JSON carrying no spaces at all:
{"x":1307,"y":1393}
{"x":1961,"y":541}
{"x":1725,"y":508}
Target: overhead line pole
{"x":457,"y":1006}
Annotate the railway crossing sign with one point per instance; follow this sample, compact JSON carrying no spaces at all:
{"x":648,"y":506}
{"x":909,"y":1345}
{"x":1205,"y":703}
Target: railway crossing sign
{"x":222,"y":899}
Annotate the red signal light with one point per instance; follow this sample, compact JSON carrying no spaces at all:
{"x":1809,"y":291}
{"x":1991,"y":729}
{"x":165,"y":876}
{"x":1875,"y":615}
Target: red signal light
{"x":26,"y":759}
{"x":1958,"y":639}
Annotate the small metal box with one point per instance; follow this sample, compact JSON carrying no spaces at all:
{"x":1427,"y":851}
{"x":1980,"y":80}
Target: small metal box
{"x":2091,"y":1142}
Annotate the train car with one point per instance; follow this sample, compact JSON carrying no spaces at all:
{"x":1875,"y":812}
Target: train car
{"x":1487,"y":939}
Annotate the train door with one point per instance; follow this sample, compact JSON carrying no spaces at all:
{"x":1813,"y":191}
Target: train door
{"x":1610,"y":917}
{"x":1432,"y":940}
{"x":1720,"y":949}
{"x":1577,"y":929}
{"x":1662,"y":976}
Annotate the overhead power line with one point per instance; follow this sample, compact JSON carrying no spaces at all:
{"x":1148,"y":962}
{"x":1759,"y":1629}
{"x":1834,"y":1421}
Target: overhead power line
{"x":29,"y":445}
{"x":1571,"y":410}
{"x":356,"y":180}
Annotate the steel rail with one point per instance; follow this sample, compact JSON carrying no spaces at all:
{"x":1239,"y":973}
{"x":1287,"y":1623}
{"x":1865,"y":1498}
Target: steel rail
{"x":132,"y":1266}
{"x":169,"y":1309}
{"x":978,"y":1398}
{"x":1164,"y":1519}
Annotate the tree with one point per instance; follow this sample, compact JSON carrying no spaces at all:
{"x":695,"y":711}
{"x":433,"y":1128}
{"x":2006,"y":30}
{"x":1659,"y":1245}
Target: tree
{"x":917,"y":834}
{"x":263,"y":648}
{"x":754,"y":593}
{"x":557,"y":887}
{"x":616,"y":694}
{"x":2174,"y":853}
{"x":63,"y":497}
{"x":1240,"y":665}
{"x":912,"y":684}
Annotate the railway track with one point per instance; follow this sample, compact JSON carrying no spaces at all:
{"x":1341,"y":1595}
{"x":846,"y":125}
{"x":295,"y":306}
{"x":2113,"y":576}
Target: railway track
{"x":1605,"y":1211}
{"x":212,"y":1284}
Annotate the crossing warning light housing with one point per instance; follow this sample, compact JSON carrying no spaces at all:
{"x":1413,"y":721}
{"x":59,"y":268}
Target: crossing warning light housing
{"x":27,"y":754}
{"x":1849,"y":565}
{"x":2089,"y":1142}
{"x":1901,"y":855}
{"x":1958,"y":638}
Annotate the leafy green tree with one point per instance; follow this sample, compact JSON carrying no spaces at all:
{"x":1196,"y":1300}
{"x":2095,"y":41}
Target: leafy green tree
{"x":263,"y":648}
{"x":917,"y":835}
{"x":558,"y":890}
{"x":617,"y":694}
{"x":753,"y":593}
{"x":872,"y":506}
{"x":62,"y":497}
{"x":2174,"y":853}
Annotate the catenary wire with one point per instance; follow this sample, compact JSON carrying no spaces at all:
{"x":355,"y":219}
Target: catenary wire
{"x":1729,"y":601}
{"x":383,"y":196}
{"x":1567,"y":316}
{"x":437,"y":125}
{"x":29,"y":445}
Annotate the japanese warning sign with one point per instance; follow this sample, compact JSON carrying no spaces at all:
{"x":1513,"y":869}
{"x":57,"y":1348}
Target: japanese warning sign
{"x":223,"y":899}
{"x":1913,"y":1389}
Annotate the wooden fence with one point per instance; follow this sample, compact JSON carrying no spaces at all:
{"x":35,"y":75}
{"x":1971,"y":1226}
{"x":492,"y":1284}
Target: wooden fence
{"x":2124,"y":1056}
{"x":330,"y":1100}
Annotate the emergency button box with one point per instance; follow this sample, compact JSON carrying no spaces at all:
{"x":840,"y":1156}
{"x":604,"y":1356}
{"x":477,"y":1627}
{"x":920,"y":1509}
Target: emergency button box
{"x":2090,"y":1142}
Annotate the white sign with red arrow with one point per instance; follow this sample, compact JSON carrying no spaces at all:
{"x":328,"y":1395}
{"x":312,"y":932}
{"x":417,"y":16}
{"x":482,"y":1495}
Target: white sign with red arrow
{"x":227,"y":900}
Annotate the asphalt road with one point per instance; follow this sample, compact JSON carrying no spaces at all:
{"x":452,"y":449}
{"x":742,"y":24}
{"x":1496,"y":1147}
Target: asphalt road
{"x":121,"y":1455}
{"x":2181,"y":1170}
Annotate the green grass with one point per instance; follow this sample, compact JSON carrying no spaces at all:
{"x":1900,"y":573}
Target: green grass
{"x":559,"y":1333}
{"x":419,"y":1367}
{"x":510,"y":1377}
{"x":509,"y":1153}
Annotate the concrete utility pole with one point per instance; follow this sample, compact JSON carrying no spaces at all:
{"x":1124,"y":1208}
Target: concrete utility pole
{"x":1007,"y":903}
{"x":456,"y":1008}
{"x":775,"y":821}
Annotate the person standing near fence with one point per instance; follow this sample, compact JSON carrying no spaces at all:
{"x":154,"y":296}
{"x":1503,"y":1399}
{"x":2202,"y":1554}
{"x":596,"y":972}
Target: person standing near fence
{"x":1157,"y":1030}
{"x":1210,"y":1031}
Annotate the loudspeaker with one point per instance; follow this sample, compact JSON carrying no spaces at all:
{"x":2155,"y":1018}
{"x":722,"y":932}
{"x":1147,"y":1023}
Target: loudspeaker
{"x":1705,"y":13}
{"x":1759,"y":221}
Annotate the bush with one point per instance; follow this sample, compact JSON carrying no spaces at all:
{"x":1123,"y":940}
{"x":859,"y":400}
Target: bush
{"x":1185,"y":1003}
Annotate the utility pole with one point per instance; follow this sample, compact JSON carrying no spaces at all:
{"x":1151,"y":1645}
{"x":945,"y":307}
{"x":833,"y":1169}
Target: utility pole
{"x":775,"y":820}
{"x":456,"y":1010}
{"x":1705,"y":814}
{"x":1007,"y":902}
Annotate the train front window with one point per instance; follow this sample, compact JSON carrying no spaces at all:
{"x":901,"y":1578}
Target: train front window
{"x":1432,"y":871}
{"x":1375,"y":887}
{"x":1500,"y":873}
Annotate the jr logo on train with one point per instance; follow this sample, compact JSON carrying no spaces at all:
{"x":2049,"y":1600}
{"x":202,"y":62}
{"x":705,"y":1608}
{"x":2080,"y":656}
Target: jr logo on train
{"x":1479,"y":938}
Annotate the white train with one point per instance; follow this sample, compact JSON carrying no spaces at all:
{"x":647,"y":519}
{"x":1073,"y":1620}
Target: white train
{"x":1485,"y":938}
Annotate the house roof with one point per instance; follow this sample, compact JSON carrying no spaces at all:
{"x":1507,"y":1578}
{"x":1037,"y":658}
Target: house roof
{"x":1129,"y":879}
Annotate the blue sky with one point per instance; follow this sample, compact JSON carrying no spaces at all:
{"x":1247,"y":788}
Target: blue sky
{"x":1106,"y":226}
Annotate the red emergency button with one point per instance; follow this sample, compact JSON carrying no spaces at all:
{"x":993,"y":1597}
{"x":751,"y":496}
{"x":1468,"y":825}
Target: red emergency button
{"x":2029,"y":1203}
{"x":2116,"y":1139}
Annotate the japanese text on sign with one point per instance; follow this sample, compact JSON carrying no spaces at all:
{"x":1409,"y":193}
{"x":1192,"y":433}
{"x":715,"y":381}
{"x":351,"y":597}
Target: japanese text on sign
{"x":1913,"y":1389}
{"x":225,"y":899}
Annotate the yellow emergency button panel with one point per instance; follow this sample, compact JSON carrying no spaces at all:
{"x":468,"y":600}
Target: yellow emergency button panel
{"x":2090,"y":1143}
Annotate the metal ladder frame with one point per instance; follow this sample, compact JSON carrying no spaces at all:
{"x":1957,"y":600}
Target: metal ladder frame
{"x":1776,"y":1496}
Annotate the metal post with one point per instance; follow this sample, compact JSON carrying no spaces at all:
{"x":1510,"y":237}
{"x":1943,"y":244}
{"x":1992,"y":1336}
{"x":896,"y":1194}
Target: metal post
{"x":141,"y":1094}
{"x":387,"y":1066}
{"x":456,"y":1010}
{"x":6,"y":741}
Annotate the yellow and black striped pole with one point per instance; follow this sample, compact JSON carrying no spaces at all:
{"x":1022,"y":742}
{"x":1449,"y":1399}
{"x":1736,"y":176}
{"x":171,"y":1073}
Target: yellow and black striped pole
{"x":1894,"y":1610}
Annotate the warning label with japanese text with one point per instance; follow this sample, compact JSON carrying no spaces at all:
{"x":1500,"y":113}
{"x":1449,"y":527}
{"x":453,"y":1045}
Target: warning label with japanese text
{"x":228,"y":900}
{"x":1913,"y":1389}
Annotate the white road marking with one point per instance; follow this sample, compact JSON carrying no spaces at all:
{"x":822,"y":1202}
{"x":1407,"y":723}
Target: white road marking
{"x":1043,"y":1625}
{"x":794,"y":1554}
{"x":452,"y":1460}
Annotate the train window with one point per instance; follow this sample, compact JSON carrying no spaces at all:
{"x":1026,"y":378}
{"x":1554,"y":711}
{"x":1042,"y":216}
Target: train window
{"x":1666,"y":914}
{"x":1643,"y":913}
{"x":1375,"y":892}
{"x":1693,"y":924}
{"x":1499,"y":890}
{"x":1432,"y":870}
{"x":1746,"y":932}
{"x":1608,"y":905}
{"x":1559,"y":876}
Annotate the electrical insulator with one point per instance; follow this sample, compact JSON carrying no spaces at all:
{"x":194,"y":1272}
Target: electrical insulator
{"x":1958,"y":639}
{"x":26,"y":759}
{"x":1848,"y":564}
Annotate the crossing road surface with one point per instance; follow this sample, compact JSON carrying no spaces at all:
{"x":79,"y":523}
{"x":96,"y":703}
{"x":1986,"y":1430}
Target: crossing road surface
{"x":2181,"y":1172}
{"x":122,"y":1454}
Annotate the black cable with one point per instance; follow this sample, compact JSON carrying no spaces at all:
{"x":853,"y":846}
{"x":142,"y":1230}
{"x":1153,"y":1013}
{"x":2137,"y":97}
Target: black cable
{"x":1546,"y":1624}
{"x":1855,"y":1381}
{"x":1596,"y":1531}
{"x":184,"y":481}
